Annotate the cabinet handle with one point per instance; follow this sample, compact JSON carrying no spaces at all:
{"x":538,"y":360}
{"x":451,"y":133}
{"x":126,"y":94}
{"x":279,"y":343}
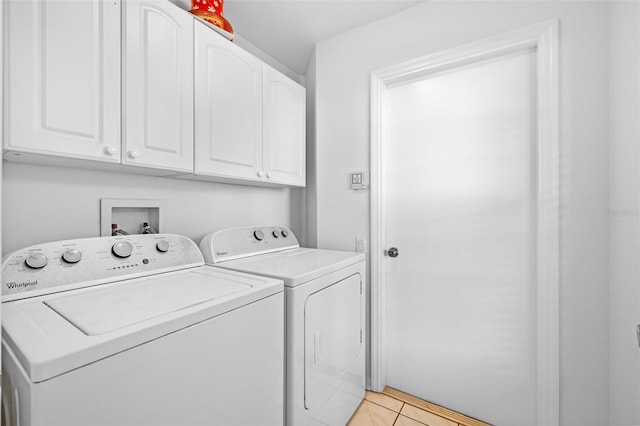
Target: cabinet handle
{"x":133,"y":154}
{"x":109,"y":150}
{"x":260,"y":174}
{"x":269,"y":174}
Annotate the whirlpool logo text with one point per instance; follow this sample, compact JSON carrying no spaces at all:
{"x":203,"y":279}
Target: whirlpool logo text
{"x":24,"y":284}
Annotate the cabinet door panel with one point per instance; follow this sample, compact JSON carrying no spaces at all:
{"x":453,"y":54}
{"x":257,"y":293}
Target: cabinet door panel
{"x":284,"y":129}
{"x":228,"y":108}
{"x":63,"y":78}
{"x":158,"y":86}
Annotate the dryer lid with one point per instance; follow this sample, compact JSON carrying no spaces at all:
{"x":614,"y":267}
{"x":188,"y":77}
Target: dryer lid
{"x":296,"y":266}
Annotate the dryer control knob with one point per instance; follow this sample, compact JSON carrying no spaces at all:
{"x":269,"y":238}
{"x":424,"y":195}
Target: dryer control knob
{"x":72,"y":256}
{"x":162,"y":246}
{"x":275,"y":234}
{"x":122,"y":249}
{"x":36,"y":260}
{"x":284,"y":233}
{"x":258,"y":235}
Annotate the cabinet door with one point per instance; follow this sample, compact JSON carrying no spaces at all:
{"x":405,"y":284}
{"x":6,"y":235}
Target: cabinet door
{"x":63,"y":78}
{"x":228,"y":83}
{"x":158,"y":86}
{"x":284,"y":129}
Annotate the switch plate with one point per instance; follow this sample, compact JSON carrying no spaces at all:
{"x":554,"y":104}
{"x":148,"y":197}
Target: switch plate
{"x":361,"y":244}
{"x":359,"y":180}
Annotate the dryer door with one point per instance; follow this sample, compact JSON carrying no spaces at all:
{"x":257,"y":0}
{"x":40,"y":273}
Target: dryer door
{"x":333,"y":340}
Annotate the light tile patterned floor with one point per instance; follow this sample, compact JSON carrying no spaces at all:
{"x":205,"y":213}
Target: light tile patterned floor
{"x":395,"y":408}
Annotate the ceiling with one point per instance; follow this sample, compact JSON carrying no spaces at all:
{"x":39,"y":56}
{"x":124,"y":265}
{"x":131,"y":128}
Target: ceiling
{"x":287,"y":30}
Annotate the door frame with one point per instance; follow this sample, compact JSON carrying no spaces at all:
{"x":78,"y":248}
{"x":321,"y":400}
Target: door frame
{"x":543,"y":38}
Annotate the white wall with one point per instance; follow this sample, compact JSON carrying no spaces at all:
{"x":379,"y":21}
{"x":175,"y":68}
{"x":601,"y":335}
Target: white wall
{"x":624,"y":214}
{"x":343,"y":66}
{"x":311,"y":216}
{"x":41,"y":203}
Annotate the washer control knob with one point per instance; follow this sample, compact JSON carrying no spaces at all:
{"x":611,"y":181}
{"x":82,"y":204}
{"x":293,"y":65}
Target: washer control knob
{"x":122,"y":249}
{"x":284,"y":233}
{"x":258,"y":235}
{"x":72,"y":256}
{"x":162,"y":246}
{"x":36,"y":260}
{"x":275,"y":234}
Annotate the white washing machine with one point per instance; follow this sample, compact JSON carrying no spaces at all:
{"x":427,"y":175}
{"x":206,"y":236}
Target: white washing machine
{"x":325,"y":305}
{"x":137,"y":331}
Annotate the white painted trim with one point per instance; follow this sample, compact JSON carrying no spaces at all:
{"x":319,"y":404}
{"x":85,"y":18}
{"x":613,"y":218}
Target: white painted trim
{"x":2,"y":101}
{"x":542,"y":37}
{"x":548,"y":227}
{"x":377,"y":233}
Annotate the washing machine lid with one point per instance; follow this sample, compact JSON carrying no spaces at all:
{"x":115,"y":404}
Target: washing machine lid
{"x":112,"y":308}
{"x":295,"y":266}
{"x":54,"y":334}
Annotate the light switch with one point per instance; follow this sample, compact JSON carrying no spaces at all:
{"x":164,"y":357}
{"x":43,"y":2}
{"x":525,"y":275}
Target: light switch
{"x":359,"y":180}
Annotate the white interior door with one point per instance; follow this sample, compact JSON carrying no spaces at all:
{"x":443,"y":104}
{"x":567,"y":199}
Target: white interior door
{"x":460,"y":164}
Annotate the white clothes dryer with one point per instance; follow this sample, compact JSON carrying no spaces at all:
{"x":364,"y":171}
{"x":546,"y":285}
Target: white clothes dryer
{"x":136,"y":330}
{"x":325,"y":308}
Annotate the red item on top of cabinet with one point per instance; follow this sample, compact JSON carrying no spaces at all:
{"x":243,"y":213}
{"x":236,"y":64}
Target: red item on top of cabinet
{"x":211,"y":11}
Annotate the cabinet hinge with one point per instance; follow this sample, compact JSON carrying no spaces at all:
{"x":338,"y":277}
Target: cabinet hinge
{"x":360,"y":335}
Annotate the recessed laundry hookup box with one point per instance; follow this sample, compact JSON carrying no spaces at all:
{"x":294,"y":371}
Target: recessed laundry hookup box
{"x":130,"y":214}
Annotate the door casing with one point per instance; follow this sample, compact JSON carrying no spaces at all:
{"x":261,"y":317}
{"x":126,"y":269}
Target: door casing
{"x":542,"y":37}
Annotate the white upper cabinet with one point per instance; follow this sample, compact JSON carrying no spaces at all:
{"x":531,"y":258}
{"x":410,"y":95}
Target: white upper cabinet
{"x":157,"y":86}
{"x":228,"y":116}
{"x":250,"y":118}
{"x":63,"y":78}
{"x":284,"y":129}
{"x":183,"y":101}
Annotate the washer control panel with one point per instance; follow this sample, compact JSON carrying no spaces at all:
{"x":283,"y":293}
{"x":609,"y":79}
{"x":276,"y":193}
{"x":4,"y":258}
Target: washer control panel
{"x":64,"y":265}
{"x":236,"y":243}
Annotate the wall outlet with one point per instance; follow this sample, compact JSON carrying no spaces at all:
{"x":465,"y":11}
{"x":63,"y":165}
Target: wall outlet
{"x":361,"y":244}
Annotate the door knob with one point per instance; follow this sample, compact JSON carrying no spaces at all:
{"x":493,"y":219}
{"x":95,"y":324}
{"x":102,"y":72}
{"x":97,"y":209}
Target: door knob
{"x":392,"y":252}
